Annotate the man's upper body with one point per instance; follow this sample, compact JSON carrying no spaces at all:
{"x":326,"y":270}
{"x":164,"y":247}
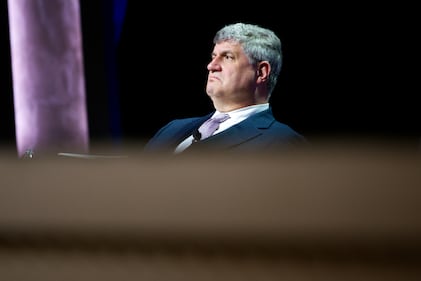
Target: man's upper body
{"x":245,"y":130}
{"x":245,"y":64}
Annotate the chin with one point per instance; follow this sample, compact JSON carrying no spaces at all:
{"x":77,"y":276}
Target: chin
{"x":209,"y":91}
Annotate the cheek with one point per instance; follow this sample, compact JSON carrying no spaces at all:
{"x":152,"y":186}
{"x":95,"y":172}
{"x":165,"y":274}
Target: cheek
{"x":246,"y":77}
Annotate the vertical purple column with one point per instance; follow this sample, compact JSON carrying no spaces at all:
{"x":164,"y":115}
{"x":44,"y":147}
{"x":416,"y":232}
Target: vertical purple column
{"x":48,"y":76}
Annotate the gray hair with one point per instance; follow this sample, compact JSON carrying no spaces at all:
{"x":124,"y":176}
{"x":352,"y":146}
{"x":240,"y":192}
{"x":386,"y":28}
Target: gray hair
{"x":259,"y":44}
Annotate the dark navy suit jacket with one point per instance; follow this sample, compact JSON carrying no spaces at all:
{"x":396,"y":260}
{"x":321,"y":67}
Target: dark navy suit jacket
{"x":258,"y":132}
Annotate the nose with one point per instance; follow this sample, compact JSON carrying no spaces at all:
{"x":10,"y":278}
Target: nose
{"x":213,"y":65}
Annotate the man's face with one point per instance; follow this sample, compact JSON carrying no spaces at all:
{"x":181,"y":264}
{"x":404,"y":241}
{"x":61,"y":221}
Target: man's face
{"x":231,"y":79}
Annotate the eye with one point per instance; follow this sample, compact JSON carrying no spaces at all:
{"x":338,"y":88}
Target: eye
{"x":228,"y":57}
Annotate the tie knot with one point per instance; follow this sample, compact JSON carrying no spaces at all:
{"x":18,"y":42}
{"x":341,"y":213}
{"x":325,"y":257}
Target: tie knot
{"x":211,"y":125}
{"x":220,"y":117}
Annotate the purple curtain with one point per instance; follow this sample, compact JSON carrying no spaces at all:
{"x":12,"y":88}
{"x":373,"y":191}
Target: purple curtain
{"x":48,"y":76}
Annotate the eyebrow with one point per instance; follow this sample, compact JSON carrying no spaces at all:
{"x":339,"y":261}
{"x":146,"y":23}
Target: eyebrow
{"x":224,"y":52}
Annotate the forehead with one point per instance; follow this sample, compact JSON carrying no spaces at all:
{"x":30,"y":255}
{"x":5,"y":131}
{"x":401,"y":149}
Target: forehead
{"x":227,"y":46}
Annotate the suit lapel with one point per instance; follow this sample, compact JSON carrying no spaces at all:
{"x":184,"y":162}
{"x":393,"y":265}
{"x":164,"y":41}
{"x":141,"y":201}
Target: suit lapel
{"x":182,"y":132}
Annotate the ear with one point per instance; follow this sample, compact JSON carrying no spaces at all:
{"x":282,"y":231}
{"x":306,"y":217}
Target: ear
{"x":263,"y":70}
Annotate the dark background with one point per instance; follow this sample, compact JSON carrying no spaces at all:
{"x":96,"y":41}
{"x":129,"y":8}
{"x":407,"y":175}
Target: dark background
{"x":348,"y":70}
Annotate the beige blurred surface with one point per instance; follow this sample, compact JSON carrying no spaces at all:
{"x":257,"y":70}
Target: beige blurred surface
{"x":342,"y":211}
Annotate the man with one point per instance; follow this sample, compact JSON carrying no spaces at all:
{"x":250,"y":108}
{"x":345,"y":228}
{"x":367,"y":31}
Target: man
{"x":245,"y":65}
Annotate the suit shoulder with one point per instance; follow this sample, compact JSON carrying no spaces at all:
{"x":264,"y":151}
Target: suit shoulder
{"x":283,"y":129}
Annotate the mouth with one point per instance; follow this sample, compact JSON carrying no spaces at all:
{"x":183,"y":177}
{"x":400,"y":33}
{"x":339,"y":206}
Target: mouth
{"x":213,"y":78}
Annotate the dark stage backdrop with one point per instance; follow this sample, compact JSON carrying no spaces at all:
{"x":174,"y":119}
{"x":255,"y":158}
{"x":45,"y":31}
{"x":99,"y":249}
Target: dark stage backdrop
{"x":7,"y":126}
{"x":348,"y":70}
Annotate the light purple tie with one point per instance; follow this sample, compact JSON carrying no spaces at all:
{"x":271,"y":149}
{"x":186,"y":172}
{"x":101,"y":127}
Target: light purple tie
{"x":211,"y":125}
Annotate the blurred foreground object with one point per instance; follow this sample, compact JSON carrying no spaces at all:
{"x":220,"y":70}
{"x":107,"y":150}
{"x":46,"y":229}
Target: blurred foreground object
{"x":334,"y":212}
